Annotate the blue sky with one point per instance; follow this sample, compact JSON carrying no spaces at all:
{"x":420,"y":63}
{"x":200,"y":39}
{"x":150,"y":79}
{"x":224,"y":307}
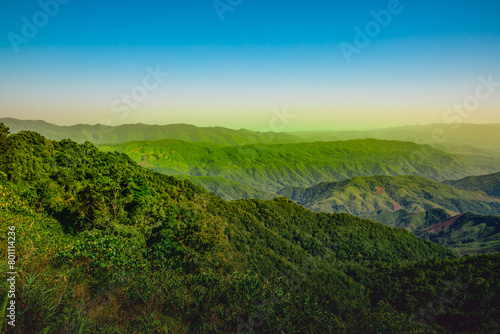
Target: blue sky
{"x":264,"y":55}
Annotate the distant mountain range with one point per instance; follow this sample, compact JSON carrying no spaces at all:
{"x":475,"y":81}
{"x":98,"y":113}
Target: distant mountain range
{"x":99,"y":134}
{"x":226,"y":189}
{"x":272,"y":167}
{"x":466,"y":233}
{"x":456,"y":138}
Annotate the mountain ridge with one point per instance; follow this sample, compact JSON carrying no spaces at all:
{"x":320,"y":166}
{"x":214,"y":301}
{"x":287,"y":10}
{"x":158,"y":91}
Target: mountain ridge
{"x":489,"y":184}
{"x":270,"y":167}
{"x":133,"y":132}
{"x":373,"y":196}
{"x":466,"y":233}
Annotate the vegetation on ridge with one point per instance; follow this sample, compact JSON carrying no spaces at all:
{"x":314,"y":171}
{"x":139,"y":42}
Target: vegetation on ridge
{"x":272,"y":167}
{"x":105,"y":245}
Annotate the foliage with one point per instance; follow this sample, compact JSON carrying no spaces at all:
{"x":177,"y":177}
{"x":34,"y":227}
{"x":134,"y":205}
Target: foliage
{"x":467,"y":233}
{"x":489,"y":184}
{"x":377,"y":195}
{"x":105,"y":246}
{"x":272,"y":167}
{"x":226,"y":189}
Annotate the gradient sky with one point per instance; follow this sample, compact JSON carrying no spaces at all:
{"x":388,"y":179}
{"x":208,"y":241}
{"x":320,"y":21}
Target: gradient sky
{"x":264,"y":56}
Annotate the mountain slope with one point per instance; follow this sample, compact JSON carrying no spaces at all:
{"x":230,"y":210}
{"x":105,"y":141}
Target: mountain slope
{"x":271,"y":167}
{"x":470,"y":138}
{"x":489,"y":184}
{"x":467,"y":233}
{"x":398,"y":201}
{"x":475,"y":144}
{"x":133,"y":132}
{"x":226,"y":189}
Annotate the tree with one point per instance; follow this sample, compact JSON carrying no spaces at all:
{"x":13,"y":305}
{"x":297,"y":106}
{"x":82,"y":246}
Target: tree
{"x":4,"y":134}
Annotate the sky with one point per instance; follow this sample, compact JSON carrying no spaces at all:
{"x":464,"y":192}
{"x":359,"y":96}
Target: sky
{"x":262,"y":65}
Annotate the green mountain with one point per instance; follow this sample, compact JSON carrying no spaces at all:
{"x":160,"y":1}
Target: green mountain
{"x":475,"y":144}
{"x":104,"y":246}
{"x":489,"y":184}
{"x":133,"y":132}
{"x":272,"y":167}
{"x":226,"y":189}
{"x":400,"y":201}
{"x":466,"y":233}
{"x":470,"y":139}
{"x":463,"y":138}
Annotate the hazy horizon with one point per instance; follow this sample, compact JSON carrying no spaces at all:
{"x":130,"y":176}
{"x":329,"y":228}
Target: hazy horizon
{"x":245,"y":128}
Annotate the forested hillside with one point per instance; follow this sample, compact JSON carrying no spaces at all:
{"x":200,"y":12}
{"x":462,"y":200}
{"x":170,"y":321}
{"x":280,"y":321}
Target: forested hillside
{"x":228,"y":189}
{"x":375,"y":197}
{"x":474,"y":139}
{"x":107,"y":246}
{"x":410,"y":202}
{"x":489,"y":184}
{"x":271,"y":167}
